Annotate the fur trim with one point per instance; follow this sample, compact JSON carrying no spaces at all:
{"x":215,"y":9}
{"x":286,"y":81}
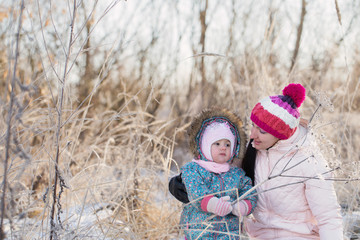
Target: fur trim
{"x":196,"y":125}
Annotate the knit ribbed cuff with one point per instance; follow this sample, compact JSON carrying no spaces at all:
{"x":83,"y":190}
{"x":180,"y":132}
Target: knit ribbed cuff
{"x":205,"y":202}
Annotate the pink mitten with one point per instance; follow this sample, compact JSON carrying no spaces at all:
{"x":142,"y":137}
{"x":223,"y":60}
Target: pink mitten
{"x":240,"y":209}
{"x":219,"y":206}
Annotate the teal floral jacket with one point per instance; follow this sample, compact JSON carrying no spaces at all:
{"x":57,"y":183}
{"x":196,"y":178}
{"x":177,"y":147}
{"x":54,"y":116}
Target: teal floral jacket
{"x":200,"y":183}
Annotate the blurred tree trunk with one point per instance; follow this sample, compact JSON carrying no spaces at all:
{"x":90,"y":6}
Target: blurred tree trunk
{"x":299,"y":33}
{"x":202,"y":41}
{"x":197,"y":94}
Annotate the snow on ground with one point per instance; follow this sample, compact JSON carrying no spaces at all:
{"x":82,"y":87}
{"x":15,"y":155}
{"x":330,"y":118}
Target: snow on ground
{"x":81,"y":223}
{"x":351,"y":224}
{"x":92,"y":222}
{"x":77,"y":223}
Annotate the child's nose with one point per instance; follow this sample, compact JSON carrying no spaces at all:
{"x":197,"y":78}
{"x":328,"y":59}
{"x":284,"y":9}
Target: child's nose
{"x":223,"y":146}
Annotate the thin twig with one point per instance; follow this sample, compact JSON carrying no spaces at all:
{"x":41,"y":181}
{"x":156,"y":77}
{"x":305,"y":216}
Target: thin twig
{"x":313,"y":115}
{"x":57,"y":144}
{"x":8,"y":122}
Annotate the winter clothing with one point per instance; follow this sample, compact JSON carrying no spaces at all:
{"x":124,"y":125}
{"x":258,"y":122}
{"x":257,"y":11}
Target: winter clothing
{"x":211,"y":191}
{"x":177,"y":189}
{"x":240,"y":209}
{"x":207,"y":117}
{"x":219,"y":206}
{"x":299,"y":204}
{"x":201,"y":183}
{"x":214,"y":132}
{"x":279,"y":115}
{"x":213,"y":166}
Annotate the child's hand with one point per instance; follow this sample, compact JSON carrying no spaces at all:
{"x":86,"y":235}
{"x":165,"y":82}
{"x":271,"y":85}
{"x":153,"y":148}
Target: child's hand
{"x":240,"y":209}
{"x":219,"y":206}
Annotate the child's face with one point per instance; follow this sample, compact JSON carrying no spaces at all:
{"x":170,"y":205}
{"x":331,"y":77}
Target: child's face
{"x":221,"y":151}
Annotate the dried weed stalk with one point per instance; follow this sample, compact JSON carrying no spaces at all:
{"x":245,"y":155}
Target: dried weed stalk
{"x":9,"y":122}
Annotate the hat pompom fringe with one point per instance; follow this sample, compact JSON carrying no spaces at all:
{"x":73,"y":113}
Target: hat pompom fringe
{"x":297,"y":93}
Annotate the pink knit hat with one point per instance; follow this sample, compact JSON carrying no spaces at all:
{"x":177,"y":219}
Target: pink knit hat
{"x":214,"y":132}
{"x":279,"y":115}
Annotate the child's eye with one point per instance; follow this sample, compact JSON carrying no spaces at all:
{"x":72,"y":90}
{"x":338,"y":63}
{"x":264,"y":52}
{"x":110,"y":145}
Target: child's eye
{"x":262,"y":131}
{"x":217,"y":144}
{"x":228,"y":144}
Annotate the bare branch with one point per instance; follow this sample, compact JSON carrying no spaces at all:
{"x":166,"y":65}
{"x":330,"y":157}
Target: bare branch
{"x":9,"y":122}
{"x":59,"y":123}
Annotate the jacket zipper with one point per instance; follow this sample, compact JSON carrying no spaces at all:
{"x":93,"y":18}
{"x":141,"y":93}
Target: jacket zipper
{"x":221,"y":194}
{"x":268,"y":173}
{"x":221,"y":184}
{"x":268,"y":160}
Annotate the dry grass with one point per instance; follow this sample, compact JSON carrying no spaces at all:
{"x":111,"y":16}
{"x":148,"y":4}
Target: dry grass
{"x":122,"y":158}
{"x":120,"y":143}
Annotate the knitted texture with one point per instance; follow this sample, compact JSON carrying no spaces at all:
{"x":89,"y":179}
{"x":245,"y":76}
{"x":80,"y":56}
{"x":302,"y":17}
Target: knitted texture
{"x":206,"y":118}
{"x":219,"y":206}
{"x":214,"y":132}
{"x":241,"y":208}
{"x":279,"y":115}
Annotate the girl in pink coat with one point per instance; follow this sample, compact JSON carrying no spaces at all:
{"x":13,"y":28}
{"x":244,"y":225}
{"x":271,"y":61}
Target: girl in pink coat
{"x":295,"y":199}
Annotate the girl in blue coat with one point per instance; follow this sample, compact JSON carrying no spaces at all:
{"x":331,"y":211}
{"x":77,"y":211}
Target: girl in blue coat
{"x":212,"y":183}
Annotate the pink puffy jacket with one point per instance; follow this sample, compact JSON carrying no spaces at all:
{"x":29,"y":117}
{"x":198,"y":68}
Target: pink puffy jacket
{"x":296,"y":202}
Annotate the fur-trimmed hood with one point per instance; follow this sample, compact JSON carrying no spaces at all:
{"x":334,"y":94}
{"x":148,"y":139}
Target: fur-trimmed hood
{"x":197,"y":127}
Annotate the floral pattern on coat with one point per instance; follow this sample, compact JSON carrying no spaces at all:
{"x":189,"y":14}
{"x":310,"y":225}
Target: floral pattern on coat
{"x":200,"y":183}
